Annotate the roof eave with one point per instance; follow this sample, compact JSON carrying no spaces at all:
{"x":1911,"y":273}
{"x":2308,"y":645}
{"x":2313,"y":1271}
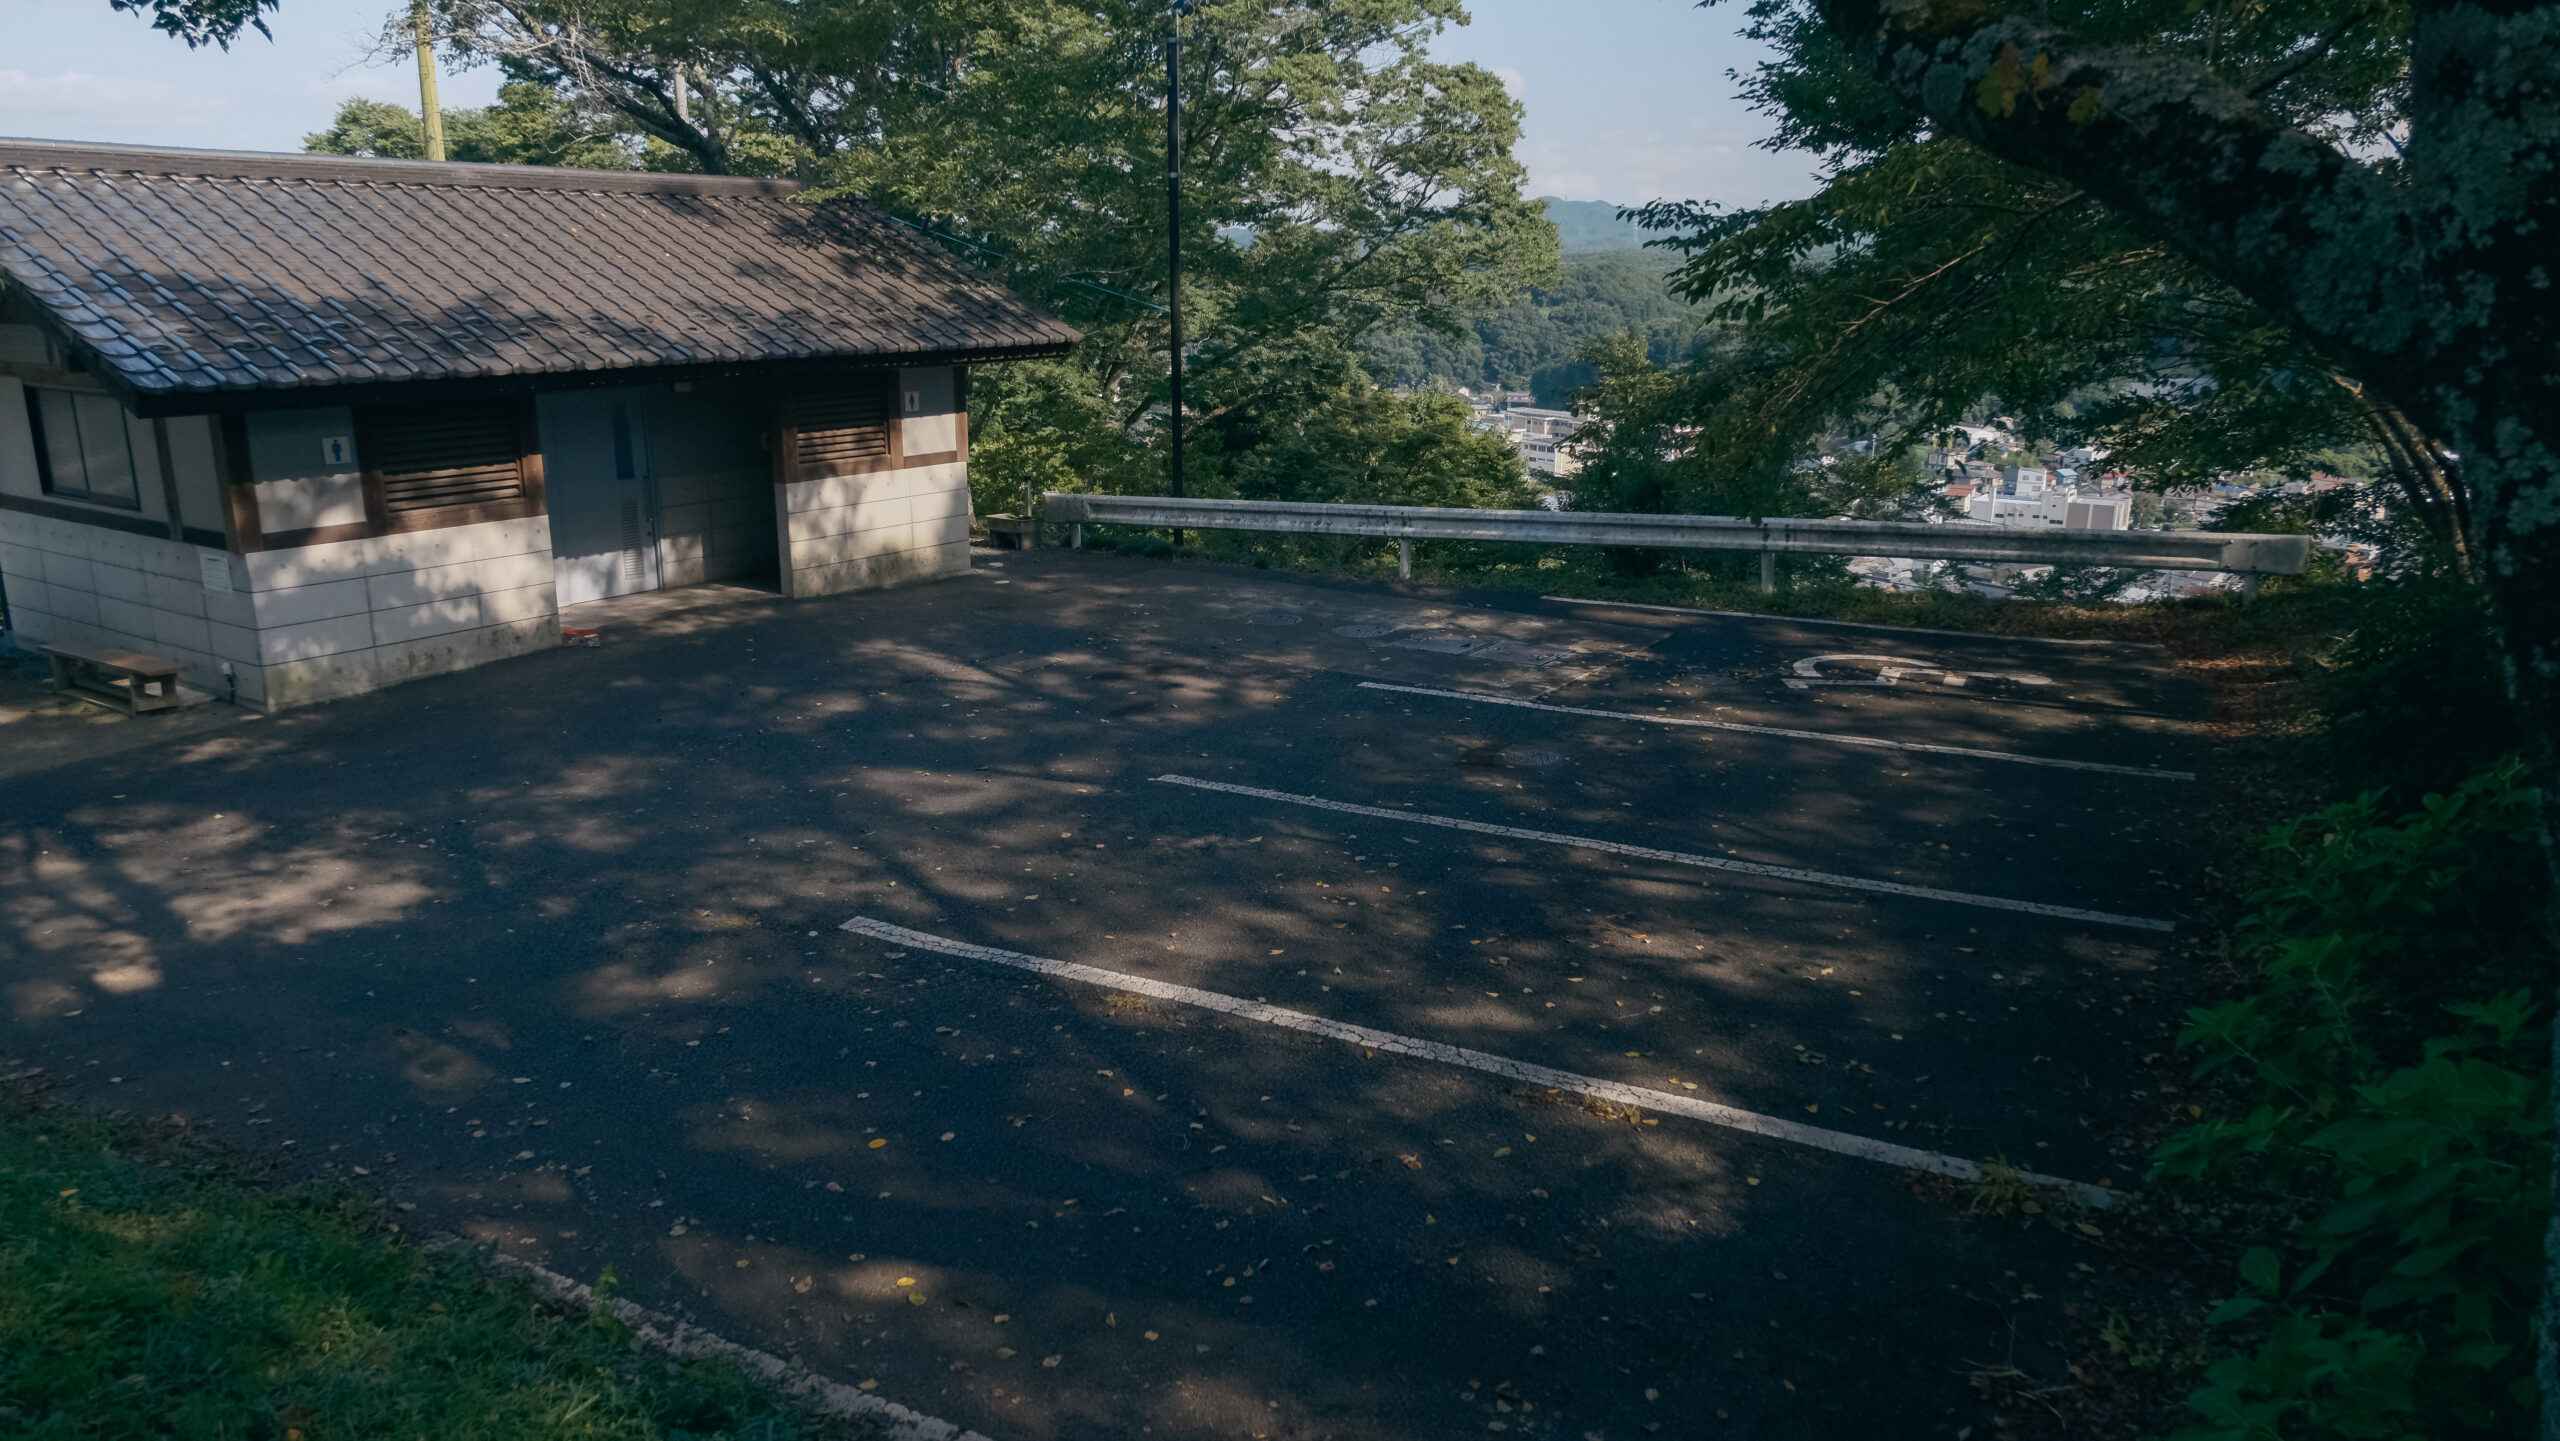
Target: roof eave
{"x":210,"y":400}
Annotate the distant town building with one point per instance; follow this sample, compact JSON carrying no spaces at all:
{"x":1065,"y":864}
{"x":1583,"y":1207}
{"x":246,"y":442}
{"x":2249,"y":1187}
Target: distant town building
{"x":2098,"y":510}
{"x":1543,"y":438}
{"x":2026,"y":495}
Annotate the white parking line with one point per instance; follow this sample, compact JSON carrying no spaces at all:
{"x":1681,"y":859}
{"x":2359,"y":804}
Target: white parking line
{"x":1668,"y":1102}
{"x":1685,"y":858}
{"x":1858,"y":624}
{"x":1834,"y":737}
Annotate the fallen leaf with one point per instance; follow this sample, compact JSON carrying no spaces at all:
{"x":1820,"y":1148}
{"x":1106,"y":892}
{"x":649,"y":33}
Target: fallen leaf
{"x":915,"y":1298}
{"x":906,"y":1280}
{"x":1411,"y":1163}
{"x":1004,"y":1353}
{"x":1051,"y":1360}
{"x":878,"y":1141}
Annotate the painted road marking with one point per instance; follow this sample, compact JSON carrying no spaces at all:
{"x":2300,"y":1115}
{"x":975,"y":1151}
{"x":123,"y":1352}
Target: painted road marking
{"x":1685,"y":858}
{"x":1890,"y":669}
{"x":1669,"y":1103}
{"x":1836,"y":738}
{"x":1856,"y":624}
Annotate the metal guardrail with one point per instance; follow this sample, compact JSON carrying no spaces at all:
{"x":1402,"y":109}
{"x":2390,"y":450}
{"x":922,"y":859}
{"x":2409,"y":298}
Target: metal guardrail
{"x":2250,"y":555}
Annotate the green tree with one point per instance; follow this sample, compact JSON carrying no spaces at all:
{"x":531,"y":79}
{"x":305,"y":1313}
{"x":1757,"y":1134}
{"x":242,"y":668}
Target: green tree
{"x":1931,"y":282}
{"x":530,"y":125}
{"x":731,"y":86}
{"x":203,"y":22}
{"x":2373,"y":185}
{"x":1536,"y":343}
{"x":1376,"y":187}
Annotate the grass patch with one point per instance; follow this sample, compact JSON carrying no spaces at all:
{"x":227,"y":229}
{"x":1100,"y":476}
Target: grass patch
{"x":152,"y":1287}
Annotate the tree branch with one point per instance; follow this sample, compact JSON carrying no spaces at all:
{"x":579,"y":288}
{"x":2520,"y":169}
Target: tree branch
{"x":2175,"y":150}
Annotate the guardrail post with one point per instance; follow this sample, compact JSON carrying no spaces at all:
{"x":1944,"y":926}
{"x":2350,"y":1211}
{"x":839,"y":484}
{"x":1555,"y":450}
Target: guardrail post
{"x":1078,"y":529}
{"x":2249,"y":586}
{"x":1768,"y":572}
{"x":1404,"y":560}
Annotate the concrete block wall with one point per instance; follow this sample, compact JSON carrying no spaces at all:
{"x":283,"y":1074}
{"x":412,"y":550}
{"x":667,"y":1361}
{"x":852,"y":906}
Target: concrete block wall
{"x":711,"y":462}
{"x":890,"y":527}
{"x":355,"y":615}
{"x":104,"y":585}
{"x":85,"y":585}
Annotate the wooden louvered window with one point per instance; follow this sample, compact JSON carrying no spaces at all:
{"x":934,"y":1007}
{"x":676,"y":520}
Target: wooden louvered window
{"x":444,"y":464}
{"x":843,"y":425}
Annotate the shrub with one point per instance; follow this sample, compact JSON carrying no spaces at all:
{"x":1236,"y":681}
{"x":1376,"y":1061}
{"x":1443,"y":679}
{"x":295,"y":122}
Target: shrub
{"x":2394,"y":1072}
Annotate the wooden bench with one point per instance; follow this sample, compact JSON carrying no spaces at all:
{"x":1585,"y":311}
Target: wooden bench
{"x":131,"y":683}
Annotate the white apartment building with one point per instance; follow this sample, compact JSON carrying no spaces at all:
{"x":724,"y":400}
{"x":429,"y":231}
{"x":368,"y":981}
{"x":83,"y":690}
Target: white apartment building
{"x":2027,"y":495}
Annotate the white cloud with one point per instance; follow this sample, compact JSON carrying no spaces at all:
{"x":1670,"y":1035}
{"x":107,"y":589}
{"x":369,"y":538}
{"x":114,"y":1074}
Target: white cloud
{"x":75,"y":94}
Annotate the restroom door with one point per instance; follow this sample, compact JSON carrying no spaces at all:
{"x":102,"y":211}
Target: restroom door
{"x":604,"y":508}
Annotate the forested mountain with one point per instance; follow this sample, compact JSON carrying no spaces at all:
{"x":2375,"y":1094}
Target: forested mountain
{"x":1591,"y":225}
{"x":1537,"y":343}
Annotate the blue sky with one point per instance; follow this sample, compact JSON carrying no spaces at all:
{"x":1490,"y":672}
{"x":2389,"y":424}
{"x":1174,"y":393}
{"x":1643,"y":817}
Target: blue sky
{"x":1627,"y":100}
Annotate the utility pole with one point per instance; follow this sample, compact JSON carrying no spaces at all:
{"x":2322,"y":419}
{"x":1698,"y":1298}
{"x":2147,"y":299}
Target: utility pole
{"x":1173,"y":227}
{"x":429,"y":111}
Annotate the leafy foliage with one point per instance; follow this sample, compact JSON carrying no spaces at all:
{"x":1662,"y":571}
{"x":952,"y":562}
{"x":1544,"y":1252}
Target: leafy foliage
{"x":530,"y":125}
{"x":1539,"y":342}
{"x":203,"y":22}
{"x":2395,"y":1081}
{"x":2415,"y":696}
{"x":1651,"y":449}
{"x":1338,"y":183}
{"x":1930,"y":282}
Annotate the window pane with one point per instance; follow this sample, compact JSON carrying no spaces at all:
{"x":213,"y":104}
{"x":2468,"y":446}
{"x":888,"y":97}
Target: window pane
{"x":61,"y":441}
{"x":108,"y":448}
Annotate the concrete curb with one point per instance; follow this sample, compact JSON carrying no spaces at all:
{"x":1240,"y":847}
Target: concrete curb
{"x":684,"y":1341}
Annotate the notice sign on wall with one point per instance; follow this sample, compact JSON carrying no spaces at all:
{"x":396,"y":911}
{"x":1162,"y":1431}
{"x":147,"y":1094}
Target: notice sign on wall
{"x":216,"y":567}
{"x":335,"y":449}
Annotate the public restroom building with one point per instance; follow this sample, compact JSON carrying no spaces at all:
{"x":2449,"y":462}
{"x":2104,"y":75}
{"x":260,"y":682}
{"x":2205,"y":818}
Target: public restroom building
{"x":313,"y":425}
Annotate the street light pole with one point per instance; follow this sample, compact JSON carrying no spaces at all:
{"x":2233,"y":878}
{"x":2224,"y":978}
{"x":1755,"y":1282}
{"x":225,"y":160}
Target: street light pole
{"x":430,"y":113}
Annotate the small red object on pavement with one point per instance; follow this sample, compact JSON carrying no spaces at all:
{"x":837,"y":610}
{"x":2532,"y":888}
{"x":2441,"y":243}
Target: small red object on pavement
{"x":581,"y":635}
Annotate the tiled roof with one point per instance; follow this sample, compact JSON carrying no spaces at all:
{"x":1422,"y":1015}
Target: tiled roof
{"x":192,"y":273}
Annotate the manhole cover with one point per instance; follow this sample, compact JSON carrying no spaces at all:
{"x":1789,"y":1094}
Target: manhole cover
{"x":1364,"y":631}
{"x":1274,"y":617}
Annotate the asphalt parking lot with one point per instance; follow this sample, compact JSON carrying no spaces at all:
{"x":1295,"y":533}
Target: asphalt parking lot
{"x":1096,"y":998}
